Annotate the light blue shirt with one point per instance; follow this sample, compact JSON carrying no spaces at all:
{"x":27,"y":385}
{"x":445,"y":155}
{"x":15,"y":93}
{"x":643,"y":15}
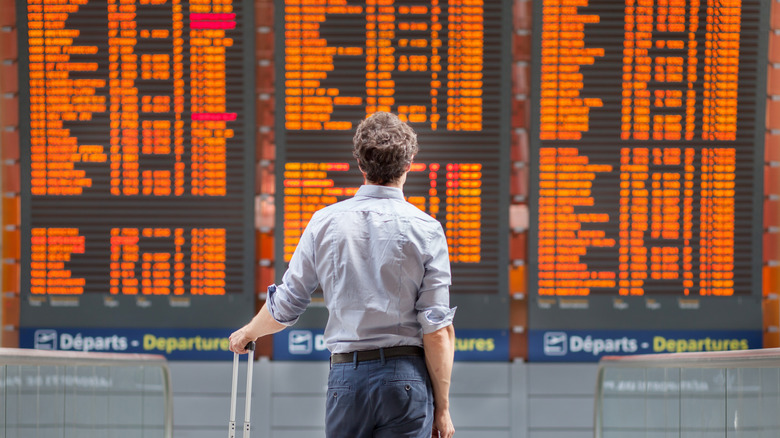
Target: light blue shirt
{"x":384,"y":269}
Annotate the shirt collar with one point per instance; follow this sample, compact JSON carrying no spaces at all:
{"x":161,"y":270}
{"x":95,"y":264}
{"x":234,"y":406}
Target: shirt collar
{"x":373,"y":191}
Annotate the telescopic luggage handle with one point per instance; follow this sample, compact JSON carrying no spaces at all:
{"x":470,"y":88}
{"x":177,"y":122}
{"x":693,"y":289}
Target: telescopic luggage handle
{"x":248,"y":403}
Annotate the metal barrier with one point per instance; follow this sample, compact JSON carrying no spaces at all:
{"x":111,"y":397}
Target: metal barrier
{"x":718,"y":394}
{"x":72,"y":394}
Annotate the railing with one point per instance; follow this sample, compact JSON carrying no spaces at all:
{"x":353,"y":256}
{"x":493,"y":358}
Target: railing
{"x":722,"y":394}
{"x":70,"y":394}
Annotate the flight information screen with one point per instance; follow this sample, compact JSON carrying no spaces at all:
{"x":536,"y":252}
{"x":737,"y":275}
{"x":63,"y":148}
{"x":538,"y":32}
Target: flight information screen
{"x":441,"y":66}
{"x":647,"y":158}
{"x":137,"y":169}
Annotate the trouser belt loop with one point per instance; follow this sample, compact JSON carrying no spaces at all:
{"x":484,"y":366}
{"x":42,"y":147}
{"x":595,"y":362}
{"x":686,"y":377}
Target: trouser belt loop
{"x":354,"y":360}
{"x":382,"y":356}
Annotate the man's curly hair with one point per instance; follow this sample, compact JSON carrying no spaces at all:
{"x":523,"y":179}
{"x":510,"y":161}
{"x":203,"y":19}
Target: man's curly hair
{"x":384,"y":147}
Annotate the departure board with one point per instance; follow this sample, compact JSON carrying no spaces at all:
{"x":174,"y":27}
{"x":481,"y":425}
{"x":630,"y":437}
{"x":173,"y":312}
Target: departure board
{"x":137,"y":163}
{"x":647,"y":158}
{"x":442,"y":67}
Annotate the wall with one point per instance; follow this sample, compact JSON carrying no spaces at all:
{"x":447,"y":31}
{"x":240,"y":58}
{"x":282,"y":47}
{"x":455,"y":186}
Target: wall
{"x":9,"y":175}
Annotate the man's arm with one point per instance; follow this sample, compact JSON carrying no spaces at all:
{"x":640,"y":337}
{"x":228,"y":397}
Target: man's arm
{"x":285,"y":303}
{"x":439,"y":355}
{"x":261,"y":325}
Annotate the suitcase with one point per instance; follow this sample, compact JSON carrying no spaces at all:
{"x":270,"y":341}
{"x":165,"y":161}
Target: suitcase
{"x":233,"y":393}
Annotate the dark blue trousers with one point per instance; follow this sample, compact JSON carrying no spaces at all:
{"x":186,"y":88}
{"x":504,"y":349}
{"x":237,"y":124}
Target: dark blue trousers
{"x":389,"y":398}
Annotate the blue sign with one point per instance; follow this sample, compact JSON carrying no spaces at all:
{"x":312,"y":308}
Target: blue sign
{"x":174,"y":344}
{"x":591,"y":345}
{"x":470,"y":345}
{"x":212,"y":344}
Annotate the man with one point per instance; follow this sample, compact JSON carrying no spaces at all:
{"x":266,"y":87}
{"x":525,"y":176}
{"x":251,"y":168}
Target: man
{"x":384,"y":270}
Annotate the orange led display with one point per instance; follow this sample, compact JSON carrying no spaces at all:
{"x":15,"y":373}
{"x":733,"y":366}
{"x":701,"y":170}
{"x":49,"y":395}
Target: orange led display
{"x":59,"y":93}
{"x":441,"y":45}
{"x":464,"y":211}
{"x":565,"y":182}
{"x":655,"y":205}
{"x":136,"y":181}
{"x":564,"y":112}
{"x":56,"y":98}
{"x":309,"y":187}
{"x":50,"y":251}
{"x":441,"y":66}
{"x":662,"y":46}
{"x":717,"y":221}
{"x":642,"y":143}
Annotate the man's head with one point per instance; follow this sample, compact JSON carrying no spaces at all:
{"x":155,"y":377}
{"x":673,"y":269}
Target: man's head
{"x":384,"y":147}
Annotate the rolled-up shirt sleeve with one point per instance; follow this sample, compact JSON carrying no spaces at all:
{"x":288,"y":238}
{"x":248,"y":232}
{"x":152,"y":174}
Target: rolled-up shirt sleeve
{"x":288,"y":300}
{"x":435,"y":319}
{"x":433,"y":300}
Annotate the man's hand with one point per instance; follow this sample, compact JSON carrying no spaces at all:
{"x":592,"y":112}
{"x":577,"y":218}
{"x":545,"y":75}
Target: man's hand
{"x":261,"y":325}
{"x":239,"y":339}
{"x":442,"y":424}
{"x":439,"y":354}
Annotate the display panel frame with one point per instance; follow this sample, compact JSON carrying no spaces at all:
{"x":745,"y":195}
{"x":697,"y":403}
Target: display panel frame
{"x":610,"y":312}
{"x":487,"y":310}
{"x":94,"y":310}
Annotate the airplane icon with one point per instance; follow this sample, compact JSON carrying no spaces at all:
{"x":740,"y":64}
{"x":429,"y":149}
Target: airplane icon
{"x":45,"y":339}
{"x":555,"y":344}
{"x":300,"y":342}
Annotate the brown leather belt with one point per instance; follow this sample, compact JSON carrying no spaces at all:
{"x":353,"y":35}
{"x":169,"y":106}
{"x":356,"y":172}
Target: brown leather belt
{"x":367,"y":355}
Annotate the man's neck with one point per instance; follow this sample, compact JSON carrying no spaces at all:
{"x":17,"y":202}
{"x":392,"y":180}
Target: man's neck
{"x":398,"y":184}
{"x":395,"y":184}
